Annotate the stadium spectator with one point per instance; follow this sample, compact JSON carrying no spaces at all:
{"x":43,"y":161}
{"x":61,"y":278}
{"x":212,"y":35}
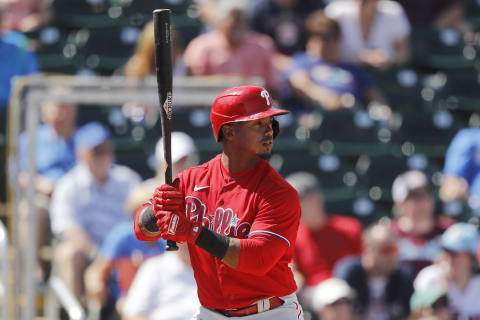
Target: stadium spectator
{"x":122,"y":253}
{"x":438,"y":14}
{"x":142,"y":62}
{"x":374,"y":32}
{"x":86,"y":202}
{"x":55,"y":156}
{"x":230,"y":49}
{"x":431,"y":303}
{"x":283,"y":21}
{"x":26,"y":15}
{"x":382,"y":285}
{"x":456,"y":271}
{"x":333,"y":300}
{"x":416,"y":225}
{"x":15,"y":60}
{"x":315,"y":255}
{"x":461,"y":172}
{"x":320,"y":78}
{"x":172,"y":295}
{"x":109,"y":276}
{"x":206,"y":13}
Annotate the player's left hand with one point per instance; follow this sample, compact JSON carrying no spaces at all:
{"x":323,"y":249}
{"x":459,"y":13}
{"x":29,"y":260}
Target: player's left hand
{"x":175,"y":226}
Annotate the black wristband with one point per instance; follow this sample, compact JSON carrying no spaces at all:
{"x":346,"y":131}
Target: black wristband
{"x":213,"y":243}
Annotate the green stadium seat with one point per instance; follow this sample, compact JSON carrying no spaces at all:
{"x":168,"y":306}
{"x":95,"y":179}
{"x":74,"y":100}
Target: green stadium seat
{"x":441,"y":50}
{"x":428,"y":133}
{"x":350,"y":132}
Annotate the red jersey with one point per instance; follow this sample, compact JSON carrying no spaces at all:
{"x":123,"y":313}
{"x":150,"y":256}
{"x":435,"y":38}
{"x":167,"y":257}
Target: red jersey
{"x":256,"y":203}
{"x":318,"y":251}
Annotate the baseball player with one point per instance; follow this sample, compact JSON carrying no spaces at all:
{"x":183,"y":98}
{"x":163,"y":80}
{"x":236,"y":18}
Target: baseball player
{"x":237,"y":214}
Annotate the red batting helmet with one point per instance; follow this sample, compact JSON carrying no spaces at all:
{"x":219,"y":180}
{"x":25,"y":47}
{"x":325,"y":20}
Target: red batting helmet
{"x":243,"y":103}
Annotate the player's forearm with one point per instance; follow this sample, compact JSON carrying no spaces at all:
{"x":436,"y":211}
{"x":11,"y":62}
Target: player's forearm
{"x":256,"y":256}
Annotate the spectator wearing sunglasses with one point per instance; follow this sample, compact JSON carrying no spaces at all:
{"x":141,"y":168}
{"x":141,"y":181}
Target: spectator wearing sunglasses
{"x":383,"y":287}
{"x":416,"y":225}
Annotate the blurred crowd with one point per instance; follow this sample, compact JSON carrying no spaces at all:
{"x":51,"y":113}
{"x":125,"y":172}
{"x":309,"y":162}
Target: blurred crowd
{"x":320,"y":60}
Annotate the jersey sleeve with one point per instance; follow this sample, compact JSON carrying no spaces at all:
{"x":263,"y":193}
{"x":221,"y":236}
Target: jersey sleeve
{"x":278,"y":216}
{"x":273,"y":233}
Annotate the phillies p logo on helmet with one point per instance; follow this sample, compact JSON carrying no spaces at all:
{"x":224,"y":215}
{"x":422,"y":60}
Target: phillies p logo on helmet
{"x":242,"y":103}
{"x":266,"y":95}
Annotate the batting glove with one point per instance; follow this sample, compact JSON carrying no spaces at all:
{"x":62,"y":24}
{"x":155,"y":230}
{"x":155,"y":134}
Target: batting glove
{"x":176,"y":226}
{"x":167,"y":198}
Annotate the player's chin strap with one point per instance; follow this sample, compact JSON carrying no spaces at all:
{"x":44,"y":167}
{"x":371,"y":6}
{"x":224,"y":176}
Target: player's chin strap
{"x":276,"y":128}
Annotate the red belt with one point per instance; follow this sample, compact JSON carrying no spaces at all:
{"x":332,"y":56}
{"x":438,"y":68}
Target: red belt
{"x":252,"y":309}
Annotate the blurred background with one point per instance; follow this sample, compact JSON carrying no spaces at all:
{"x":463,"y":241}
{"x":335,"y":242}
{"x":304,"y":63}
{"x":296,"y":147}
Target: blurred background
{"x":376,"y":88}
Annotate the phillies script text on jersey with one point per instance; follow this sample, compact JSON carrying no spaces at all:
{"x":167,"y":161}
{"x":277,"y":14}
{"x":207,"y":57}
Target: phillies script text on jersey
{"x":256,"y":203}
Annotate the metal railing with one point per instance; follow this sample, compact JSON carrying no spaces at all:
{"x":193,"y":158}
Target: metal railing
{"x":5,"y":272}
{"x":28,"y":94}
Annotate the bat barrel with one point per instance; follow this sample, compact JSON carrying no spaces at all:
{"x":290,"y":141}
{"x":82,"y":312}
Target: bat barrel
{"x":164,"y":64}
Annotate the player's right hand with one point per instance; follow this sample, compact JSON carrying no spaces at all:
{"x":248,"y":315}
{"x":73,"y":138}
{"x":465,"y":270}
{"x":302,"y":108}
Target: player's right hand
{"x":168,"y":198}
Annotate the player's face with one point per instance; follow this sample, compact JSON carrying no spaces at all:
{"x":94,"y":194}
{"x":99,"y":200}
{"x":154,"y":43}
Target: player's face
{"x":255,"y":136}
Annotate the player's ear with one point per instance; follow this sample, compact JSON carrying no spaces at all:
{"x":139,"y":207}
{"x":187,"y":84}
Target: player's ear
{"x":227,"y":132}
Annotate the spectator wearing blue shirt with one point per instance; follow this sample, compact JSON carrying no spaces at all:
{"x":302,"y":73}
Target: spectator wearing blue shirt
{"x":15,"y":60}
{"x":54,"y":156}
{"x":461,"y":180}
{"x":110,"y":275}
{"x":88,"y":202}
{"x":317,"y":76}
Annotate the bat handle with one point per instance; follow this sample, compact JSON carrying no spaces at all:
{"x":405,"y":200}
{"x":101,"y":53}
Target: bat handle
{"x":171,"y":246}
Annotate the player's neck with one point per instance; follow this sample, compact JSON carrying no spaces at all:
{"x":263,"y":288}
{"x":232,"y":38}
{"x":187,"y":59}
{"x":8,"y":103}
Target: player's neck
{"x":237,"y":164}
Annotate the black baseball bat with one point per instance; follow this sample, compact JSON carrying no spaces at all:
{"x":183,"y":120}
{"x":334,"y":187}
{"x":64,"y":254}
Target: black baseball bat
{"x":163,"y":62}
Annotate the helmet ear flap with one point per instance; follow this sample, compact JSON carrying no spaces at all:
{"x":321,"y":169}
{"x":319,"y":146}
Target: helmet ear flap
{"x":276,"y":128}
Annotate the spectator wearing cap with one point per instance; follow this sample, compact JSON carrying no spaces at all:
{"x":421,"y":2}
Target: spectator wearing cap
{"x":455,"y":271}
{"x":430,"y":303}
{"x":382,"y":285}
{"x":460,"y":244}
{"x":86,"y":203}
{"x":416,"y":225}
{"x":122,"y":253}
{"x":184,"y":156}
{"x":430,"y":297}
{"x":333,"y":299}
{"x":323,"y":239}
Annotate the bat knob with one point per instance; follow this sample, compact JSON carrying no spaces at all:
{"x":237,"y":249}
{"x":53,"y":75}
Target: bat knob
{"x":171,"y":246}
